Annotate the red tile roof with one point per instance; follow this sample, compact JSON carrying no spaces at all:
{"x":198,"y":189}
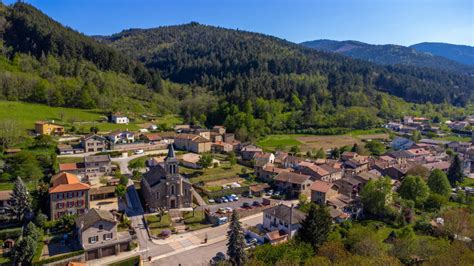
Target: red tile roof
{"x":65,"y":182}
{"x":321,"y":186}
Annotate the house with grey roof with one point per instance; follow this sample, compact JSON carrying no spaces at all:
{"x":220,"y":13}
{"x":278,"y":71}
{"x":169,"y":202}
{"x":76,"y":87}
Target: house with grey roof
{"x":97,"y":165}
{"x":98,"y":235}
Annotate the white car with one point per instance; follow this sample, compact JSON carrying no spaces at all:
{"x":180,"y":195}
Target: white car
{"x":228,"y":209}
{"x":139,"y":152}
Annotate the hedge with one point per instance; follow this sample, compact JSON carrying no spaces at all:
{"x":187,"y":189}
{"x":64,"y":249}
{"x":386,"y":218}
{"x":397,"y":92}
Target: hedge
{"x":58,"y":258}
{"x":10,"y":233}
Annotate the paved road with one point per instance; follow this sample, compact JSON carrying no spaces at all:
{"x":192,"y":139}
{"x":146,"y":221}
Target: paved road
{"x":197,"y":256}
{"x":135,"y":212}
{"x":123,"y":162}
{"x":202,"y":254}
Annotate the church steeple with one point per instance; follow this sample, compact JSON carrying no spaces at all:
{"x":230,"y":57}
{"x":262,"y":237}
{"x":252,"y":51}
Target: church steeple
{"x":171,"y":154}
{"x":171,"y":161}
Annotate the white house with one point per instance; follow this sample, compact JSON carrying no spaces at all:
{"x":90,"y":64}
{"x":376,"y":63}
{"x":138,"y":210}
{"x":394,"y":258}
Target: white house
{"x":283,"y":218}
{"x":119,"y":119}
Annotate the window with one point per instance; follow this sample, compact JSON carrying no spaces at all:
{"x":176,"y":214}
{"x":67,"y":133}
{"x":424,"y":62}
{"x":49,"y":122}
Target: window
{"x":108,"y":236}
{"x":101,"y":226}
{"x":59,"y":196}
{"x":70,"y":194}
{"x":93,"y":239}
{"x":157,"y":195}
{"x":172,"y":189}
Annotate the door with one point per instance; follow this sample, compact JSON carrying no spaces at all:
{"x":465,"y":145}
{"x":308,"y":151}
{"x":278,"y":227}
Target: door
{"x":173,"y":204}
{"x":93,"y":254}
{"x":108,"y":251}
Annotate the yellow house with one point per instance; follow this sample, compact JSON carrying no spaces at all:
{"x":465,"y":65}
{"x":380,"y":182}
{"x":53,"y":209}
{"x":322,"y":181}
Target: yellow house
{"x":46,"y":128}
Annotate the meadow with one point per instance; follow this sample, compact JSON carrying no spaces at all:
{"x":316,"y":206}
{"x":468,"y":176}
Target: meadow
{"x":311,"y":142}
{"x":26,"y":114}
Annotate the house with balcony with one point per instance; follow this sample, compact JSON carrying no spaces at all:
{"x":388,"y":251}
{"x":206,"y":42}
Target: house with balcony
{"x":98,"y":235}
{"x":94,"y":143}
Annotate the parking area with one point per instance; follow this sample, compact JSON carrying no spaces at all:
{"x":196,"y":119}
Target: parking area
{"x":234,"y":204}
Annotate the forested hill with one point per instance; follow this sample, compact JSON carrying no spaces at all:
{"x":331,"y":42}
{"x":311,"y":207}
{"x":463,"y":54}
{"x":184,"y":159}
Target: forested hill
{"x":395,"y":54}
{"x":27,"y":30}
{"x":460,"y":53}
{"x":246,"y":65}
{"x":43,"y":62}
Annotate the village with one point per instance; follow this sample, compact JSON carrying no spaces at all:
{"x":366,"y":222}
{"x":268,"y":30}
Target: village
{"x":153,"y":193}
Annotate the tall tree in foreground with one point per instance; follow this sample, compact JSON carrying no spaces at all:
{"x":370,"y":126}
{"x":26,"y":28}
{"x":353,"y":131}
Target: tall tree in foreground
{"x":236,"y":244}
{"x":316,"y":226}
{"x":20,"y":200}
{"x":455,"y":171}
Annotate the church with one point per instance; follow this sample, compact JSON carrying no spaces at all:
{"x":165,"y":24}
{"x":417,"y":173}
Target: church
{"x":164,"y":187}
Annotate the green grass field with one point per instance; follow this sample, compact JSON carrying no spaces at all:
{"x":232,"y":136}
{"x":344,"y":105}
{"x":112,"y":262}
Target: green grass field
{"x":310,"y":142}
{"x":272,"y":141}
{"x":26,"y":114}
{"x":213,"y":174}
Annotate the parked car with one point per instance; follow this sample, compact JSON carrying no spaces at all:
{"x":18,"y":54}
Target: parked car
{"x":228,"y":209}
{"x":257,"y":203}
{"x":224,"y":199}
{"x":211,"y":201}
{"x":139,"y":152}
{"x":221,"y":210}
{"x":222,"y":220}
{"x":218,"y":200}
{"x":234,"y":197}
{"x":219,"y":257}
{"x":230,"y":198}
{"x":246,"y":205}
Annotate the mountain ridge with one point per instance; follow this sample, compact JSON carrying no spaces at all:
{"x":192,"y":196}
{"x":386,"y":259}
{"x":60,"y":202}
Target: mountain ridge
{"x":389,"y":54}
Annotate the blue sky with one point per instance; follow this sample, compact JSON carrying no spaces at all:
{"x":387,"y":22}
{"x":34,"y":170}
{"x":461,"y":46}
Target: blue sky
{"x":402,"y":22}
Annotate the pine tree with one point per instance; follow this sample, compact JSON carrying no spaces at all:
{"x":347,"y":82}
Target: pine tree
{"x":236,"y":244}
{"x":20,"y":200}
{"x":316,"y":226}
{"x":455,"y":171}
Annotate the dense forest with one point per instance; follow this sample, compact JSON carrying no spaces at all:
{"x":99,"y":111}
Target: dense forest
{"x":460,"y":53}
{"x":244,"y":65}
{"x":390,"y":55}
{"x":252,"y":83}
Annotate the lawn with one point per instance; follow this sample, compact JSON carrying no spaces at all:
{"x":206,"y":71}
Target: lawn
{"x":30,"y":185}
{"x":455,"y":138}
{"x":213,"y":174}
{"x":26,"y":114}
{"x":311,"y":142}
{"x":133,"y":261}
{"x":70,"y":159}
{"x":196,"y":222}
{"x":468,"y":182}
{"x":273,"y":141}
{"x":156,"y":225}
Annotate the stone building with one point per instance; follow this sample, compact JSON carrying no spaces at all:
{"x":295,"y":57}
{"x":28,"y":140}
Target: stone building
{"x":164,"y":187}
